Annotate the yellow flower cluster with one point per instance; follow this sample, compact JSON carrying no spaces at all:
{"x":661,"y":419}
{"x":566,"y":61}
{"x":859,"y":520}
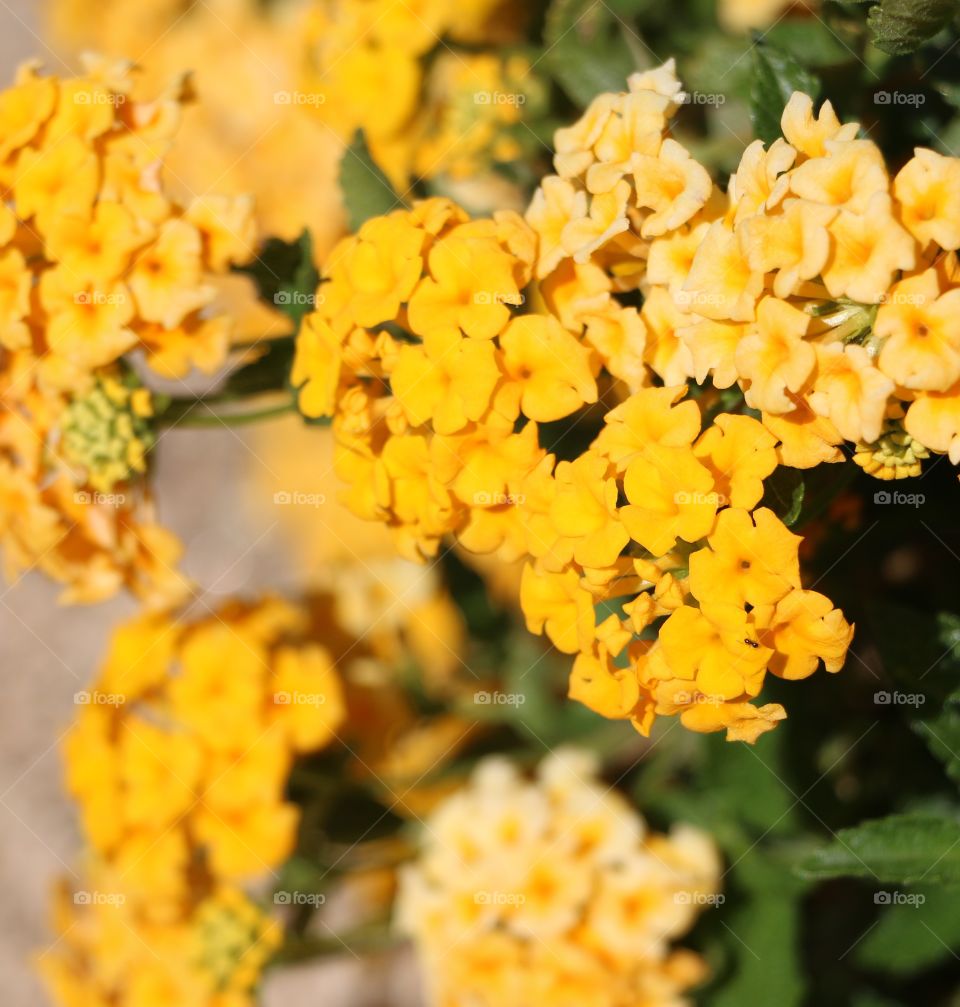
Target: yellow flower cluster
{"x":659,"y":521}
{"x":179,"y":760}
{"x":96,"y":260}
{"x":368,"y":67}
{"x":437,"y":389}
{"x":830,"y":292}
{"x":553,"y":892}
{"x":418,"y":353}
{"x":239,"y":136}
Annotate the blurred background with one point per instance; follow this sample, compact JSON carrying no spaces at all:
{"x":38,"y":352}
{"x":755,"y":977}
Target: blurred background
{"x":51,"y":652}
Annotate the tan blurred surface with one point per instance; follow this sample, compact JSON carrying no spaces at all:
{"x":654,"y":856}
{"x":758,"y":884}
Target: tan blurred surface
{"x":49,"y":653}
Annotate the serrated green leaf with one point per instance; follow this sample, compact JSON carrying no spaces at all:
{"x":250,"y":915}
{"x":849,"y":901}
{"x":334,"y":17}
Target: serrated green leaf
{"x":367,"y":191}
{"x":587,"y":49}
{"x":904,"y":849}
{"x":776,"y":75}
{"x":902,"y":26}
{"x":911,"y":937}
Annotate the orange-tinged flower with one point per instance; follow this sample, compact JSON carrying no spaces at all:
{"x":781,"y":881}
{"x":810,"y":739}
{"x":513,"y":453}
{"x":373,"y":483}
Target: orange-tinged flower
{"x":804,"y":630}
{"x":809,"y":133}
{"x":806,"y":439}
{"x":739,"y":454}
{"x":671,"y":496}
{"x":653,"y":416}
{"x":934,"y":419}
{"x":774,"y":356}
{"x":920,"y":329}
{"x":869,"y":247}
{"x":549,"y":367}
{"x":672,"y":185}
{"x":850,"y":391}
{"x":722,"y":284}
{"x":751,"y":560}
{"x":556,"y":604}
{"x":927,"y":191}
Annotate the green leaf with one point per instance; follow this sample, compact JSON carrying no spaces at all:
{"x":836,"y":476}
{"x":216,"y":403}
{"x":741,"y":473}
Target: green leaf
{"x":916,"y":847}
{"x":764,"y":938}
{"x":367,"y":191}
{"x":587,"y":49}
{"x":812,"y":43}
{"x":942,"y":735}
{"x":776,"y":75}
{"x":286,"y":276}
{"x":902,"y":26}
{"x":783,"y":494}
{"x":909,"y":938}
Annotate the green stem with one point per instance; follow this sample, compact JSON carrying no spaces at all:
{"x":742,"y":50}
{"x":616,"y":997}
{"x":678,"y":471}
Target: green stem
{"x":178,"y":413}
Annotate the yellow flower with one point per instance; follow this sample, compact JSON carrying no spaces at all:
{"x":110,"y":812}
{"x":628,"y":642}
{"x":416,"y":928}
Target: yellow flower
{"x":809,"y":133}
{"x":316,"y":366}
{"x":850,"y":391}
{"x":806,"y":439}
{"x":739,"y":454}
{"x":759,"y":183}
{"x":927,"y":191}
{"x":507,"y":867}
{"x":555,"y":603}
{"x":751,"y":559}
{"x":54,"y":181}
{"x":553,"y":206}
{"x":722,"y":284}
{"x":773,"y":358}
{"x":549,"y":368}
{"x":671,"y":496}
{"x":672,"y":184}
{"x":584,"y":511}
{"x":804,"y":630}
{"x":848,"y":175}
{"x":795,"y":243}
{"x":450,"y":381}
{"x":470,"y":287}
{"x":920,"y":330}
{"x":934,"y":420}
{"x":654,"y":416}
{"x":868,"y":249}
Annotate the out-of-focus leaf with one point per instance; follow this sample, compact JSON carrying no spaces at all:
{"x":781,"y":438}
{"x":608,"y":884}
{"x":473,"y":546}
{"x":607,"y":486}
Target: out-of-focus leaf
{"x":911,"y":937}
{"x":942,"y":734}
{"x":902,"y":26}
{"x":909,"y":848}
{"x":587,"y":49}
{"x":367,"y":191}
{"x":776,"y":75}
{"x":764,"y":937}
{"x":286,"y":276}
{"x":812,"y":42}
{"x":783,"y":494}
